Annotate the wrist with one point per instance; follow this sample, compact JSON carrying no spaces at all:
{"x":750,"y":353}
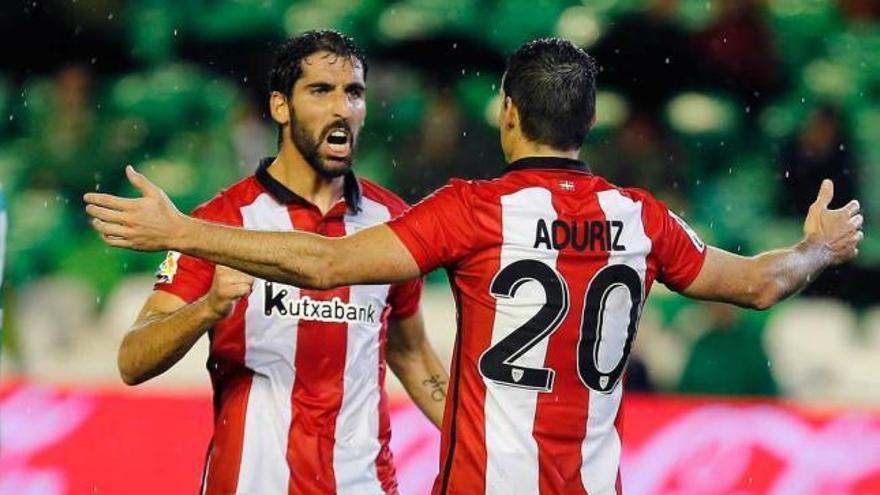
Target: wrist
{"x":180,"y":237}
{"x":209,"y":311}
{"x":814,"y":249}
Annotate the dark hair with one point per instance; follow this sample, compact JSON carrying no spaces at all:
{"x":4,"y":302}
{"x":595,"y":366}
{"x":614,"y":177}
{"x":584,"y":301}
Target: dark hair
{"x":287,"y":67}
{"x":553,"y":84}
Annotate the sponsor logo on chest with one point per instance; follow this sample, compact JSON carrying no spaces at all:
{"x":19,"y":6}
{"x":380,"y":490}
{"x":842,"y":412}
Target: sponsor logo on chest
{"x":276,"y":301}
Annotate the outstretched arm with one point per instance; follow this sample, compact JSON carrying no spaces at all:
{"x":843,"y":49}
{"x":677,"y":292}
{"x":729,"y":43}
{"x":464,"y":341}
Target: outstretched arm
{"x":153,"y":223}
{"x":831,"y":237}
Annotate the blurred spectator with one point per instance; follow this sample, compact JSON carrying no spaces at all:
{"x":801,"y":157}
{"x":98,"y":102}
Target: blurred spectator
{"x":864,"y":11}
{"x":737,"y":51}
{"x":648,"y":56}
{"x":821,"y":149}
{"x":250,"y":136}
{"x":639,"y":155}
{"x":63,"y":131}
{"x":729,"y":359}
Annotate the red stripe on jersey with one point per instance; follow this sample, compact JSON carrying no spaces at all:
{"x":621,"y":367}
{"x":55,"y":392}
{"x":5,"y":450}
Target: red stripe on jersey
{"x":463,"y":446}
{"x":385,"y":460}
{"x":231,"y":380}
{"x":318,"y":386}
{"x":224,"y":462}
{"x":565,"y":408}
{"x":618,"y":425}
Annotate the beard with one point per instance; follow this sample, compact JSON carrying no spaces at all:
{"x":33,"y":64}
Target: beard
{"x":308,"y":146}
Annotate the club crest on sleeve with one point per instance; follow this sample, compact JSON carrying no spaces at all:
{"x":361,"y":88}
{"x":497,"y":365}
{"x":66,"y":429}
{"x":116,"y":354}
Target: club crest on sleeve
{"x":166,"y":271}
{"x":698,"y":243}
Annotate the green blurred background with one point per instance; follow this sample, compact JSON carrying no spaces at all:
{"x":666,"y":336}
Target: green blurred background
{"x":731,"y":111}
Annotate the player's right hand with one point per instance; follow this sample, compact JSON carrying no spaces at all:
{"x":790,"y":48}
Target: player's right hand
{"x":836,"y":232}
{"x":228,"y":286}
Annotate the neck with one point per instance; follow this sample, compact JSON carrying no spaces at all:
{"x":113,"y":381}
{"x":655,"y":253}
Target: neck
{"x":291,"y":169}
{"x":527,"y":149}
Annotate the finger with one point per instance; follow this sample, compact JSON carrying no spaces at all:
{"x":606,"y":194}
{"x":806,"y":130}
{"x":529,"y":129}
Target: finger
{"x":106,"y":214}
{"x":116,"y":241}
{"x":857,"y":221}
{"x":853,"y":207}
{"x":109,"y":229}
{"x":108,"y":201}
{"x":139,"y":181}
{"x":826,"y":193}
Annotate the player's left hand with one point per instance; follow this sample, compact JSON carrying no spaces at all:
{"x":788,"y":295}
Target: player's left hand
{"x":149,"y":223}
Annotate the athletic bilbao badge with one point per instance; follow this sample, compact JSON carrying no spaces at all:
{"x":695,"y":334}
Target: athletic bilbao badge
{"x":166,"y":271}
{"x":516,"y":374}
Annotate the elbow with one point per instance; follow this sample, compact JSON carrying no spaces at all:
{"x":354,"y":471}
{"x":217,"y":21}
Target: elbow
{"x":127,"y":373}
{"x":129,"y":378}
{"x":766,"y":296}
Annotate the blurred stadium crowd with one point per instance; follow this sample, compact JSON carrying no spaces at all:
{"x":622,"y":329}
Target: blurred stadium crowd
{"x":731,"y":111}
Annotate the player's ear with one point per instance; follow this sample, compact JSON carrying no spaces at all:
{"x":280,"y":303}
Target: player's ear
{"x":509,"y":114}
{"x":278,"y":108}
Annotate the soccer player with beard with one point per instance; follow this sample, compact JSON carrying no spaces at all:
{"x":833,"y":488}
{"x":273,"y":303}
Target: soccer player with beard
{"x":550,"y":265}
{"x":298,"y":374}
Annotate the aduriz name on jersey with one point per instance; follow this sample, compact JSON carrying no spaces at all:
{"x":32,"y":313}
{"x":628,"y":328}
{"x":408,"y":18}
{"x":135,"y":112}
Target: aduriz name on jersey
{"x":592,"y":235}
{"x":306,"y":308}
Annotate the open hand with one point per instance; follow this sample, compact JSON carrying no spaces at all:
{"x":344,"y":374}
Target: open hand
{"x":149,"y":223}
{"x":836,"y":232}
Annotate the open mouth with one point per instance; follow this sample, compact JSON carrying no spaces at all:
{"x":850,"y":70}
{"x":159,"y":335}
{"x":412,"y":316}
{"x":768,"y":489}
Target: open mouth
{"x":338,"y":143}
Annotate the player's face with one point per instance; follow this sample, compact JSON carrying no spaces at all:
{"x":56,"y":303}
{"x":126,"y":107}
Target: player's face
{"x":327,"y":111}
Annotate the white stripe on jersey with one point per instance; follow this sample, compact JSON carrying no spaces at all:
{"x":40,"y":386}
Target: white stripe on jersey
{"x":357,"y":424}
{"x":270,"y":347}
{"x":600,"y":450}
{"x":511,"y":450}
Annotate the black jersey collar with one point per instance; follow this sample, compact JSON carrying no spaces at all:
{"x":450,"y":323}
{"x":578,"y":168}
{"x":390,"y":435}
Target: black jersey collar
{"x":351,"y":188}
{"x":548,"y":163}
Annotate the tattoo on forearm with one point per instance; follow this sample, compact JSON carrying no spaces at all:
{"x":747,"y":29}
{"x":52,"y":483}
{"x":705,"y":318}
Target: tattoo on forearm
{"x":437,"y":386}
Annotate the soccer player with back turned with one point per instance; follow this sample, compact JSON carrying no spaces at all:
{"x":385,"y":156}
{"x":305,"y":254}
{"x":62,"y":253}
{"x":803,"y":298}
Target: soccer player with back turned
{"x":550,"y":266}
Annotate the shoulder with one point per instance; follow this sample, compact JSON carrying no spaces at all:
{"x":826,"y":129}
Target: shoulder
{"x":383,"y":196}
{"x":225,"y":206}
{"x":635,"y":194}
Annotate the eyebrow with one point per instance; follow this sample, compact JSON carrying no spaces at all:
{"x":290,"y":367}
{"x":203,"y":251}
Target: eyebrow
{"x":320,"y":84}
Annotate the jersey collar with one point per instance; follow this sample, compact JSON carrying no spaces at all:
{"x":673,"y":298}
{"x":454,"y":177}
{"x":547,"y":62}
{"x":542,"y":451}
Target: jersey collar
{"x":548,"y":163}
{"x":351,"y":188}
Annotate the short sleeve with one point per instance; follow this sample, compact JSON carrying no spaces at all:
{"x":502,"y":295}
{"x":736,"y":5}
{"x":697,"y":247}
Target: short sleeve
{"x":184,"y":276}
{"x":679,"y":251}
{"x":438,"y":231}
{"x":404,"y":298}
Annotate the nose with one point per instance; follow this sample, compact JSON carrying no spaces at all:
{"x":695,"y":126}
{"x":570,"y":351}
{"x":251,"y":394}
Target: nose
{"x":342,"y":105}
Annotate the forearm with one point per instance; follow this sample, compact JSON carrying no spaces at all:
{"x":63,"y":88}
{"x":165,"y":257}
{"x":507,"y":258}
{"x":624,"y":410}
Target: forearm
{"x":159,"y":341}
{"x":424,"y":378}
{"x":295,"y":258}
{"x":781,"y":273}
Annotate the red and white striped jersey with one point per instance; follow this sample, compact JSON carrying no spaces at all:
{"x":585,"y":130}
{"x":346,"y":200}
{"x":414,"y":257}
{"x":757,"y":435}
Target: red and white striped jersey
{"x":298,"y":375}
{"x":550,"y":266}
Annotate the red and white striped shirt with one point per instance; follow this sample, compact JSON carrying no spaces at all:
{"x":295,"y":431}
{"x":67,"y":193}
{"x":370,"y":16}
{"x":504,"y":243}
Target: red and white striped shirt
{"x":550,"y":266}
{"x":298,"y":375}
